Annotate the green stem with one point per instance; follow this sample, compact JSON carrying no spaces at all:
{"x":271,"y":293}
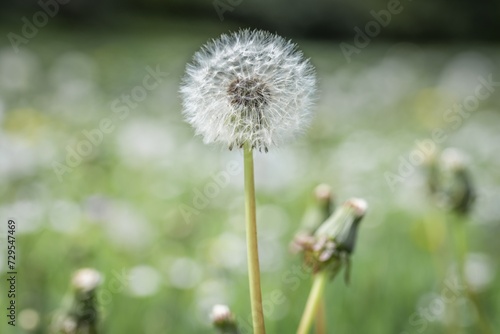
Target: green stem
{"x":312,"y":302}
{"x":252,"y":245}
{"x":321,"y":317}
{"x":460,"y":245}
{"x":461,"y":250}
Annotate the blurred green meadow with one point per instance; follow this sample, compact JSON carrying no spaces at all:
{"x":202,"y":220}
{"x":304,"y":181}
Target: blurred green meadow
{"x":94,"y":178}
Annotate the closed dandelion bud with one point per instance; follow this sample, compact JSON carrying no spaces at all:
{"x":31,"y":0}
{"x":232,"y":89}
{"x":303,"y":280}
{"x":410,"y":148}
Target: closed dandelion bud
{"x":334,"y":241}
{"x":79,"y":314}
{"x":456,"y":191}
{"x":342,"y":227}
{"x":323,"y":196}
{"x":85,"y":281}
{"x":315,"y":215}
{"x":249,"y":87}
{"x":322,"y":208}
{"x":223,"y":320}
{"x":341,"y":232}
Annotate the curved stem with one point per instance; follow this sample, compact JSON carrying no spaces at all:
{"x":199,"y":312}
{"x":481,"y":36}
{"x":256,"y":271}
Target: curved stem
{"x":312,"y":302}
{"x":252,"y":245}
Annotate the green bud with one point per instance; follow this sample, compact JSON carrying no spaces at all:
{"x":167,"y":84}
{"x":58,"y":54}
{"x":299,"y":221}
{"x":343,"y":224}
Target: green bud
{"x":457,"y":190}
{"x":450,"y":182}
{"x":223,"y":320}
{"x":86,"y":280}
{"x":333,"y":242}
{"x":78,"y":313}
{"x":319,"y":211}
{"x":341,"y":228}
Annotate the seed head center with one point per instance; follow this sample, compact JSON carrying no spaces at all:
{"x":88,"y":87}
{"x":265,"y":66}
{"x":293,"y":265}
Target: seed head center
{"x":249,"y":94}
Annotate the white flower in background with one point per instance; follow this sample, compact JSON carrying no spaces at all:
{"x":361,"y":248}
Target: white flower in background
{"x":86,"y":280}
{"x":220,"y":313}
{"x":248,"y":87}
{"x":223,"y":319}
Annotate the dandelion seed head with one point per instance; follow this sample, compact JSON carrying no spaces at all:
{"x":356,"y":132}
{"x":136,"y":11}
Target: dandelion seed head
{"x":248,"y":87}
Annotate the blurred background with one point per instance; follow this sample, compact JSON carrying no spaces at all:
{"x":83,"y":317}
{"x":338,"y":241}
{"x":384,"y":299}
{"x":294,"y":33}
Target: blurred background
{"x":98,"y":168}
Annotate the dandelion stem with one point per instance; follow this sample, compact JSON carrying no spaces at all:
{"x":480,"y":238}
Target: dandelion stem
{"x":436,"y":232}
{"x":252,"y":245}
{"x":321,"y":317}
{"x":312,"y":302}
{"x":461,"y":249}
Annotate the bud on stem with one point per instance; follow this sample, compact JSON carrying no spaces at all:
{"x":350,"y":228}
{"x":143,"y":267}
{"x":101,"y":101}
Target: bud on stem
{"x":79,"y":315}
{"x":224,"y":320}
{"x":334,"y":240}
{"x":450,"y":182}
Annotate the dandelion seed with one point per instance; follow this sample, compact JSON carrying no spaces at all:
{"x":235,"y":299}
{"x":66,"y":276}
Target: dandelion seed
{"x":249,"y":87}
